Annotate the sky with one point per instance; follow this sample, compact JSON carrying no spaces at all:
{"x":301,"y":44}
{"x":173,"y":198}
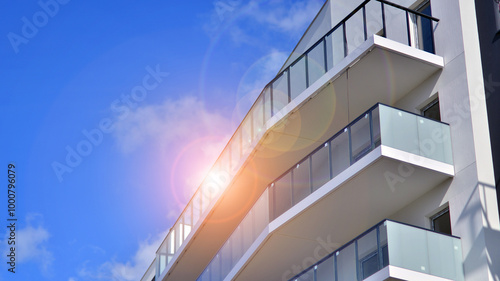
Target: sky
{"x":111,"y":114}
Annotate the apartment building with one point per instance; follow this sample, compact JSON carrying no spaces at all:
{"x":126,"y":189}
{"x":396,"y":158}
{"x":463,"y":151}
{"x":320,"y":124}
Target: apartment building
{"x":370,"y":156}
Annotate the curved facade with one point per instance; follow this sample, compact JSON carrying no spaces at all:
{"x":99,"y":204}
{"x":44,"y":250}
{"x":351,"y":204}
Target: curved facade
{"x":367,"y":157}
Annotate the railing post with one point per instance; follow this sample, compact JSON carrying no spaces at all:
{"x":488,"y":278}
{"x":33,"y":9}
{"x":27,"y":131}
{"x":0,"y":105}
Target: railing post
{"x":335,"y":268}
{"x":271,"y":102}
{"x":306,"y":57}
{"x":364,"y":22}
{"x":311,"y":189}
{"x":330,"y":160}
{"x":350,"y":145}
{"x":358,"y":265}
{"x":408,"y":28}
{"x":379,"y":249}
{"x":288,"y":82}
{"x":325,"y":54}
{"x":346,"y":51}
{"x":383,"y":19}
{"x":372,"y":139}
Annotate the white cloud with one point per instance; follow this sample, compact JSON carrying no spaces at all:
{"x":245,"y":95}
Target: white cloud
{"x":185,"y":135}
{"x":131,"y":270}
{"x":283,"y":16}
{"x":32,"y":243}
{"x":173,"y":121}
{"x":255,"y":79}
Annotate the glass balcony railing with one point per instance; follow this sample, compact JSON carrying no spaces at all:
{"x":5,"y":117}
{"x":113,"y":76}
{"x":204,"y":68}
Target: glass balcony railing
{"x":239,"y":242}
{"x":380,"y":125}
{"x":390,"y":243}
{"x":150,"y":273}
{"x":371,"y":17}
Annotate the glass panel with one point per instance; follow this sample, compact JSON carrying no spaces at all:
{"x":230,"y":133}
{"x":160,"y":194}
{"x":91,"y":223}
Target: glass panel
{"x":335,"y":47}
{"x":346,"y":264}
{"x":258,"y":118}
{"x":178,"y":236}
{"x":171,"y":242}
{"x":407,"y":247}
{"x":235,"y":150}
{"x":326,"y":270}
{"x":340,"y":153}
{"x":434,"y":140}
{"x":396,"y":24}
{"x":355,"y":31}
{"x":225,"y":159}
{"x":196,"y":207}
{"x":162,"y":261}
{"x":307,"y":276}
{"x":236,"y":245}
{"x":267,"y":104}
{"x":248,"y":230}
{"x":382,"y":232}
{"x":316,"y":62}
{"x":282,"y":195}
{"x":399,"y":129}
{"x":320,"y":166}
{"x":188,"y":223}
{"x":424,"y":251}
{"x":301,"y":181}
{"x":280,"y":92}
{"x":376,"y":126}
{"x":368,"y":254}
{"x":206,"y":275}
{"x":205,"y":198}
{"x":360,"y":137}
{"x":215,"y":268}
{"x":261,"y":213}
{"x":246,"y":135}
{"x":443,"y":256}
{"x":374,"y":18}
{"x":298,"y":78}
{"x":210,"y":189}
{"x":226,"y":262}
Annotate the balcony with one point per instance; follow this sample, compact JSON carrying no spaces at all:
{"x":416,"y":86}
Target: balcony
{"x":356,"y":172}
{"x":391,"y":251}
{"x":150,"y":273}
{"x":378,"y":41}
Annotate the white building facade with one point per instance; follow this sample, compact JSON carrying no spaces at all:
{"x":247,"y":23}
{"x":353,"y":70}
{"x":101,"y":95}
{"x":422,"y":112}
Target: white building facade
{"x":370,"y":156}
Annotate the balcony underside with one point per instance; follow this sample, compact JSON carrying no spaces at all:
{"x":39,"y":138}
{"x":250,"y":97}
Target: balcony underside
{"x":380,"y":70}
{"x":343,"y":208}
{"x":392,"y":273}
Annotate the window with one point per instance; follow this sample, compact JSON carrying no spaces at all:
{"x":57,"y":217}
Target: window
{"x":432,"y":110}
{"x":423,"y":28}
{"x":440,"y":222}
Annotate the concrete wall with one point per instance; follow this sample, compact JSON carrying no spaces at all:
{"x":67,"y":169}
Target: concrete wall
{"x":471,"y":194}
{"x":488,"y":24}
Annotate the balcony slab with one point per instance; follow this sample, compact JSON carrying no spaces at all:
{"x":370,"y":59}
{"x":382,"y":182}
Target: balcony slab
{"x":350,"y":203}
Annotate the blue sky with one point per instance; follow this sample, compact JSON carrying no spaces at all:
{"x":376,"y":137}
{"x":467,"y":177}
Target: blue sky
{"x":113,"y":110}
